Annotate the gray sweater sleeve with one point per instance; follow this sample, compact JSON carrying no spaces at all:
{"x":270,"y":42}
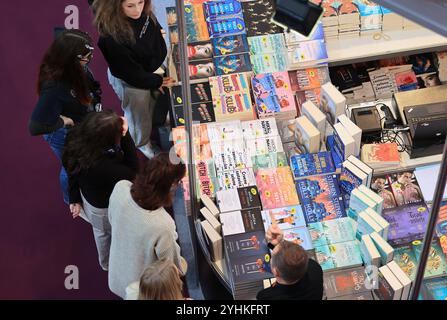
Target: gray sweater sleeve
{"x":167,"y":247}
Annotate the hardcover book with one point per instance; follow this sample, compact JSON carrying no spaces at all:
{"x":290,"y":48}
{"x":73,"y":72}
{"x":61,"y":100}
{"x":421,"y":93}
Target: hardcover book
{"x":305,"y":165}
{"x":324,"y":209}
{"x":333,"y":103}
{"x":406,"y":260}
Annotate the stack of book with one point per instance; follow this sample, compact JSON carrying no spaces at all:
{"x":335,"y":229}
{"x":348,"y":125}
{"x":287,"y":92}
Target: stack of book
{"x":353,"y":174}
{"x":329,"y":19}
{"x":333,"y":103}
{"x":349,"y":284}
{"x":362,"y":198}
{"x":307,"y":136}
{"x":268,"y":53}
{"x":195,"y":24}
{"x":231,"y":97}
{"x":201,"y":104}
{"x":381,"y":155}
{"x":348,"y":20}
{"x":316,"y":117}
{"x":273,"y":95}
{"x":393,"y":284}
{"x":212,"y":229}
{"x":391,"y":20}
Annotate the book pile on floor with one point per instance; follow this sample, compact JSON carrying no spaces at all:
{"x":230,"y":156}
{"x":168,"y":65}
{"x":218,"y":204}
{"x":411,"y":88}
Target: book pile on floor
{"x":272,"y":144}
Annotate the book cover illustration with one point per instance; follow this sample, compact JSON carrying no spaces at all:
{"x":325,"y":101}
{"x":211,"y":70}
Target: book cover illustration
{"x":270,"y":43}
{"x":332,"y":231}
{"x":199,"y":69}
{"x":340,"y":255}
{"x":245,"y":244}
{"x":249,"y":197}
{"x":272,"y":93}
{"x":345,"y":282}
{"x":196,"y":51}
{"x":200,"y":92}
{"x":221,"y":9}
{"x":252,"y":219}
{"x":348,"y":180}
{"x":230,"y":45}
{"x":308,"y":79}
{"x":229,"y":84}
{"x":406,"y":260}
{"x":435,"y":289}
{"x":299,"y":236}
{"x":269,"y":161}
{"x":436,"y":261}
{"x":405,"y":188}
{"x":324,"y":209}
{"x":318,"y":187}
{"x":226,"y":27}
{"x":201,"y":112}
{"x":313,"y":95}
{"x":382,"y":187}
{"x":251,"y":268}
{"x":232,"y":64}
{"x":383,"y":152}
{"x":258,"y":16}
{"x":308,"y":51}
{"x":236,"y":179}
{"x":233,"y":107}
{"x":428,"y":80}
{"x":423,"y":63}
{"x":310,"y":164}
{"x":269,"y":62}
{"x":407,"y":223}
{"x":285,"y":218}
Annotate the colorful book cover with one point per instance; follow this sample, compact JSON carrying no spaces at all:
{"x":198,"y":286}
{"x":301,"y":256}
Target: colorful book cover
{"x":257,"y":15}
{"x":245,"y":244}
{"x":332,"y":231}
{"x":423,"y":63}
{"x":346,"y":282}
{"x":201,"y":112}
{"x":340,"y":255}
{"x":200,"y":92}
{"x":252,"y":219}
{"x":311,"y":164}
{"x":230,"y":159}
{"x":251,"y":268}
{"x":249,"y":197}
{"x":308,"y":79}
{"x":405,"y":258}
{"x":324,"y":209}
{"x":269,"y":62}
{"x":308,"y":51}
{"x":285,"y":218}
{"x":405,"y":188}
{"x":236,"y":179}
{"x":230,"y":45}
{"x":318,"y":187}
{"x":229,"y":84}
{"x":233,"y":107}
{"x":196,"y":51}
{"x":199,"y":69}
{"x":299,"y":236}
{"x":226,"y":27}
{"x":407,"y":223}
{"x":436,"y":262}
{"x":270,"y":43}
{"x":313,"y":95}
{"x":382,"y":187}
{"x":232,"y":64}
{"x":435,"y":289}
{"x":222,"y":9}
{"x":269,"y":161}
{"x":348,"y":180}
{"x":441,"y":226}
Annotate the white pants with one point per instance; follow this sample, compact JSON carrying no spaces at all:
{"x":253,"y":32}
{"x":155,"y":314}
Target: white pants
{"x":138,"y":106}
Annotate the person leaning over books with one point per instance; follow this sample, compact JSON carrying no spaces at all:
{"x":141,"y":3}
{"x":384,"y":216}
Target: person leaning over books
{"x":98,"y":154}
{"x":67,"y":92}
{"x":297,"y":276}
{"x":132,"y":43}
{"x":142,"y":230}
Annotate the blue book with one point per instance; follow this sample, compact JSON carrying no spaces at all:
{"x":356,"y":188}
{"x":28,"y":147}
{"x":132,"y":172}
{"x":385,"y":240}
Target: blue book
{"x":222,"y":9}
{"x":311,"y":164}
{"x":311,"y":188}
{"x":226,"y":27}
{"x":323,"y":209}
{"x":230,"y":45}
{"x":232,"y":64}
{"x":435,"y":289}
{"x":330,"y":144}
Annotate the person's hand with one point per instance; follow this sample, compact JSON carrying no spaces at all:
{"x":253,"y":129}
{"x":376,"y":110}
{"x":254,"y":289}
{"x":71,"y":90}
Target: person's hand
{"x":168,"y":82}
{"x":75,"y":209}
{"x":67,"y":121}
{"x":274,"y":234}
{"x":125,"y":126}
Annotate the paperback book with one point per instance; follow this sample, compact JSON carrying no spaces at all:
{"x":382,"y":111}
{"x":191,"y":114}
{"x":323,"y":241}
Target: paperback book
{"x":331,"y":231}
{"x":306,"y":165}
{"x":230,"y":45}
{"x":285,"y":218}
{"x":339,"y":256}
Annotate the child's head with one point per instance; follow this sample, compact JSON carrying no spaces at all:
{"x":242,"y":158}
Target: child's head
{"x":161,"y":281}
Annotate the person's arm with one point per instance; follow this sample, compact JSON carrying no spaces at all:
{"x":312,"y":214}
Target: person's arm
{"x":130,"y":152}
{"x":274,"y":235}
{"x":124,"y":67}
{"x":166,"y":246}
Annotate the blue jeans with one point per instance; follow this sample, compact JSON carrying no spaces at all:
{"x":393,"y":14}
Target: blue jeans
{"x":56,"y":140}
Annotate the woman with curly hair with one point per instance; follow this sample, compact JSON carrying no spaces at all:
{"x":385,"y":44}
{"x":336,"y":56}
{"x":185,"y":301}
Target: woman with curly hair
{"x":142,"y":231}
{"x":98,"y":154}
{"x":132,"y":43}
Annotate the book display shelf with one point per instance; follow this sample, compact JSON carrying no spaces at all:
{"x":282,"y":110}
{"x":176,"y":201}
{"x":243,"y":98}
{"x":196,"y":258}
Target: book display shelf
{"x":268,"y":138}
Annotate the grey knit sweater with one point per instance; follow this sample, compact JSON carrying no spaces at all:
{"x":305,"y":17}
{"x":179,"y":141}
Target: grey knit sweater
{"x":139,"y":238}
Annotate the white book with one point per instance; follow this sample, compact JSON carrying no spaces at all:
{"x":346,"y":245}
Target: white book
{"x":228,"y":200}
{"x":261,"y":128}
{"x":370,"y":254}
{"x":403,"y":279}
{"x":344,"y":142}
{"x":353,"y":130}
{"x":318,"y":119}
{"x":385,"y":249}
{"x":228,"y":130}
{"x":232,"y":223}
{"x":214,"y":241}
{"x":385,"y":225}
{"x":366,"y":225}
{"x":362,"y":166}
{"x":358,"y":202}
{"x":390,"y":287}
{"x":349,"y":168}
{"x":236,"y":179}
{"x":263,"y":146}
{"x":209,"y":204}
{"x":374,"y":197}
{"x":333,"y":102}
{"x":307,"y":135}
{"x":211,"y":219}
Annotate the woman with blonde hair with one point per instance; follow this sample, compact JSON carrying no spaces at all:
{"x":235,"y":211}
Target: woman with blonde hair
{"x":132,"y":43}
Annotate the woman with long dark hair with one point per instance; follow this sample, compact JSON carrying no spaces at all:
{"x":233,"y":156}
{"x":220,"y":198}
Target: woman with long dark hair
{"x":99,"y":153}
{"x":133,"y":45}
{"x":65,"y":95}
{"x":142,"y":231}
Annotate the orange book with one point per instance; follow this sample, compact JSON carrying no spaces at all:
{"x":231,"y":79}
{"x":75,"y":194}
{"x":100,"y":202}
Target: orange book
{"x":381,"y":154}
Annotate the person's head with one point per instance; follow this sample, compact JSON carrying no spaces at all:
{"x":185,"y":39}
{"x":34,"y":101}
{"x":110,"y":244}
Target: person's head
{"x":161,"y":281}
{"x":379,"y":183}
{"x":289,"y":262}
{"x":201,"y":70}
{"x":112,"y":17}
{"x":64,"y":61}
{"x":153,"y":187}
{"x":432,"y":80}
{"x":200,"y":51}
{"x":96,"y":137}
{"x":405,"y":177}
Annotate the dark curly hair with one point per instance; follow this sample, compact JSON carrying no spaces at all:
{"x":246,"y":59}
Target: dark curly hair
{"x":152,"y":187}
{"x":61,"y":63}
{"x":88,"y":142}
